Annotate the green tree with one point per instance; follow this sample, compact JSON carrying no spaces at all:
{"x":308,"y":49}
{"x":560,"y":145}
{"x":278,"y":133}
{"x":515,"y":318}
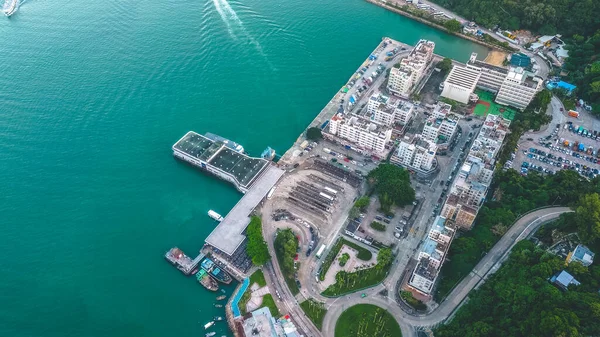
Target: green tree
{"x":314,"y":133}
{"x":392,"y":185}
{"x":587,"y":218}
{"x":384,"y":258}
{"x":453,"y":25}
{"x":445,"y":65}
{"x":362,"y":203}
{"x":286,"y":245}
{"x":257,"y":247}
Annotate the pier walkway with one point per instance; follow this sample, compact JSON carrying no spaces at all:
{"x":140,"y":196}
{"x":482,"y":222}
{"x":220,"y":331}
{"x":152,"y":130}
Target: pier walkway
{"x":228,"y":235}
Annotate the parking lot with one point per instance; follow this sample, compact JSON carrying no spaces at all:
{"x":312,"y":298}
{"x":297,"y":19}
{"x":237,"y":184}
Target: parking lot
{"x":568,"y":147}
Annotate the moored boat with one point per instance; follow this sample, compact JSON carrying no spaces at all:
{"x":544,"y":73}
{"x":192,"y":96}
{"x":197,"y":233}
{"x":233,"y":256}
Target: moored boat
{"x":214,"y":271}
{"x":209,"y":324}
{"x":210,"y":334}
{"x":215,"y":215}
{"x":218,"y":305}
{"x":222,"y":297}
{"x":218,"y":318}
{"x":207,"y":281}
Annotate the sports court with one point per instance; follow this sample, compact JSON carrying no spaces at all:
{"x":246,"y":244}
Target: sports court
{"x":486,"y":105}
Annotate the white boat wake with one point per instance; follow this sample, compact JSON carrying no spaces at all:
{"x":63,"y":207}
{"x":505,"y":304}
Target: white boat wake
{"x":229,"y":16}
{"x":224,"y":18}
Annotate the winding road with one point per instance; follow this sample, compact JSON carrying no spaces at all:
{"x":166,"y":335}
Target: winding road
{"x":521,"y":229}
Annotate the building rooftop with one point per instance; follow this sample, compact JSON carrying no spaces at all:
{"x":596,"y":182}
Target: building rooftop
{"x":426,"y":269}
{"x":221,"y":155}
{"x":260,"y":323}
{"x":228,"y":235}
{"x":463,"y":77}
{"x":563,"y":279}
{"x":582,"y":254}
{"x":481,"y":64}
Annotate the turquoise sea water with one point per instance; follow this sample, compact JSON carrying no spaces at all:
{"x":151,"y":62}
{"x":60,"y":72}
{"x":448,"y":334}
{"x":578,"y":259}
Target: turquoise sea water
{"x":94,"y":93}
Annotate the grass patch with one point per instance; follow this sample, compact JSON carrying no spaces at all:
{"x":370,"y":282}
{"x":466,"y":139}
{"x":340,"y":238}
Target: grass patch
{"x":363,"y":254}
{"x":350,"y":282}
{"x":286,"y":245}
{"x":269,"y":302}
{"x":259,"y":278}
{"x":407,"y":296}
{"x":244,"y":300}
{"x":315,"y":311}
{"x":364,"y":320}
{"x":378,"y":226}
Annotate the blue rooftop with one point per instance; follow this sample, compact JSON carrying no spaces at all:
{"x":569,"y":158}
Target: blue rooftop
{"x":561,"y":85}
{"x":564,"y":279}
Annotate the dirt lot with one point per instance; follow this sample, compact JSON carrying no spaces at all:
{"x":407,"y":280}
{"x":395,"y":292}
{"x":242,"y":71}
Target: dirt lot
{"x":495,"y":57}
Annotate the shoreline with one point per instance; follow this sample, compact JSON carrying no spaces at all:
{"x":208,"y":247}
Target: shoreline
{"x":436,"y":25}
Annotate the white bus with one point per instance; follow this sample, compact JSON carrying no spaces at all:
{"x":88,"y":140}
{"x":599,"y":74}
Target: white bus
{"x":331,"y":190}
{"x":320,"y":251}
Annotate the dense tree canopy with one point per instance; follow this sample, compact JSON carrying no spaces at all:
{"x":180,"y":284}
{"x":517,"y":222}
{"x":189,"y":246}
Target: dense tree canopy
{"x":392,"y":185}
{"x":453,"y":25}
{"x":257,"y":247}
{"x":511,"y":195}
{"x":314,"y":133}
{"x":445,"y":65}
{"x":567,"y":17}
{"x":518,"y":300}
{"x":587,"y":218}
{"x":286,"y":245}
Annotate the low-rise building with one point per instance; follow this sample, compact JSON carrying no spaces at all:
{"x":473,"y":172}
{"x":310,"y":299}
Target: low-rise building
{"x":441,"y":125}
{"x":459,"y":212}
{"x":581,"y":254}
{"x":563,"y":280}
{"x":423,"y":277}
{"x":260,"y":323}
{"x":460,"y":84}
{"x":365,"y":134}
{"x":405,"y":76}
{"x":518,"y":88}
{"x":416,"y":153}
{"x":405,"y":111}
{"x":431,"y":256}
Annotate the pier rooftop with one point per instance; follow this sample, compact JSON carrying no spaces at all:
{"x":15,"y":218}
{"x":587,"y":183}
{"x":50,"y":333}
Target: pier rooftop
{"x":219,"y":158}
{"x":227,"y":236}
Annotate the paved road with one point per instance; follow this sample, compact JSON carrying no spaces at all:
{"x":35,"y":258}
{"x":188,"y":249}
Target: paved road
{"x":489,"y":264}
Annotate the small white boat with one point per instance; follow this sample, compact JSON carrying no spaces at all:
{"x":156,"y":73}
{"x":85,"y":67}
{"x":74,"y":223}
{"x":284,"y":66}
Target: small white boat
{"x":209,"y":324}
{"x":210,"y":334}
{"x":215,"y":215}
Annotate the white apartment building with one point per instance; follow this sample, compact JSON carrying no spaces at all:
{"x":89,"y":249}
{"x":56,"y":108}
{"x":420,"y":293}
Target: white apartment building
{"x":441,"y":125}
{"x":405,"y":112}
{"x":384,"y":115}
{"x":360,"y":131}
{"x":460,"y":84}
{"x":416,"y":153}
{"x":375,"y":101}
{"x":411,"y":69}
{"x":518,"y":89}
